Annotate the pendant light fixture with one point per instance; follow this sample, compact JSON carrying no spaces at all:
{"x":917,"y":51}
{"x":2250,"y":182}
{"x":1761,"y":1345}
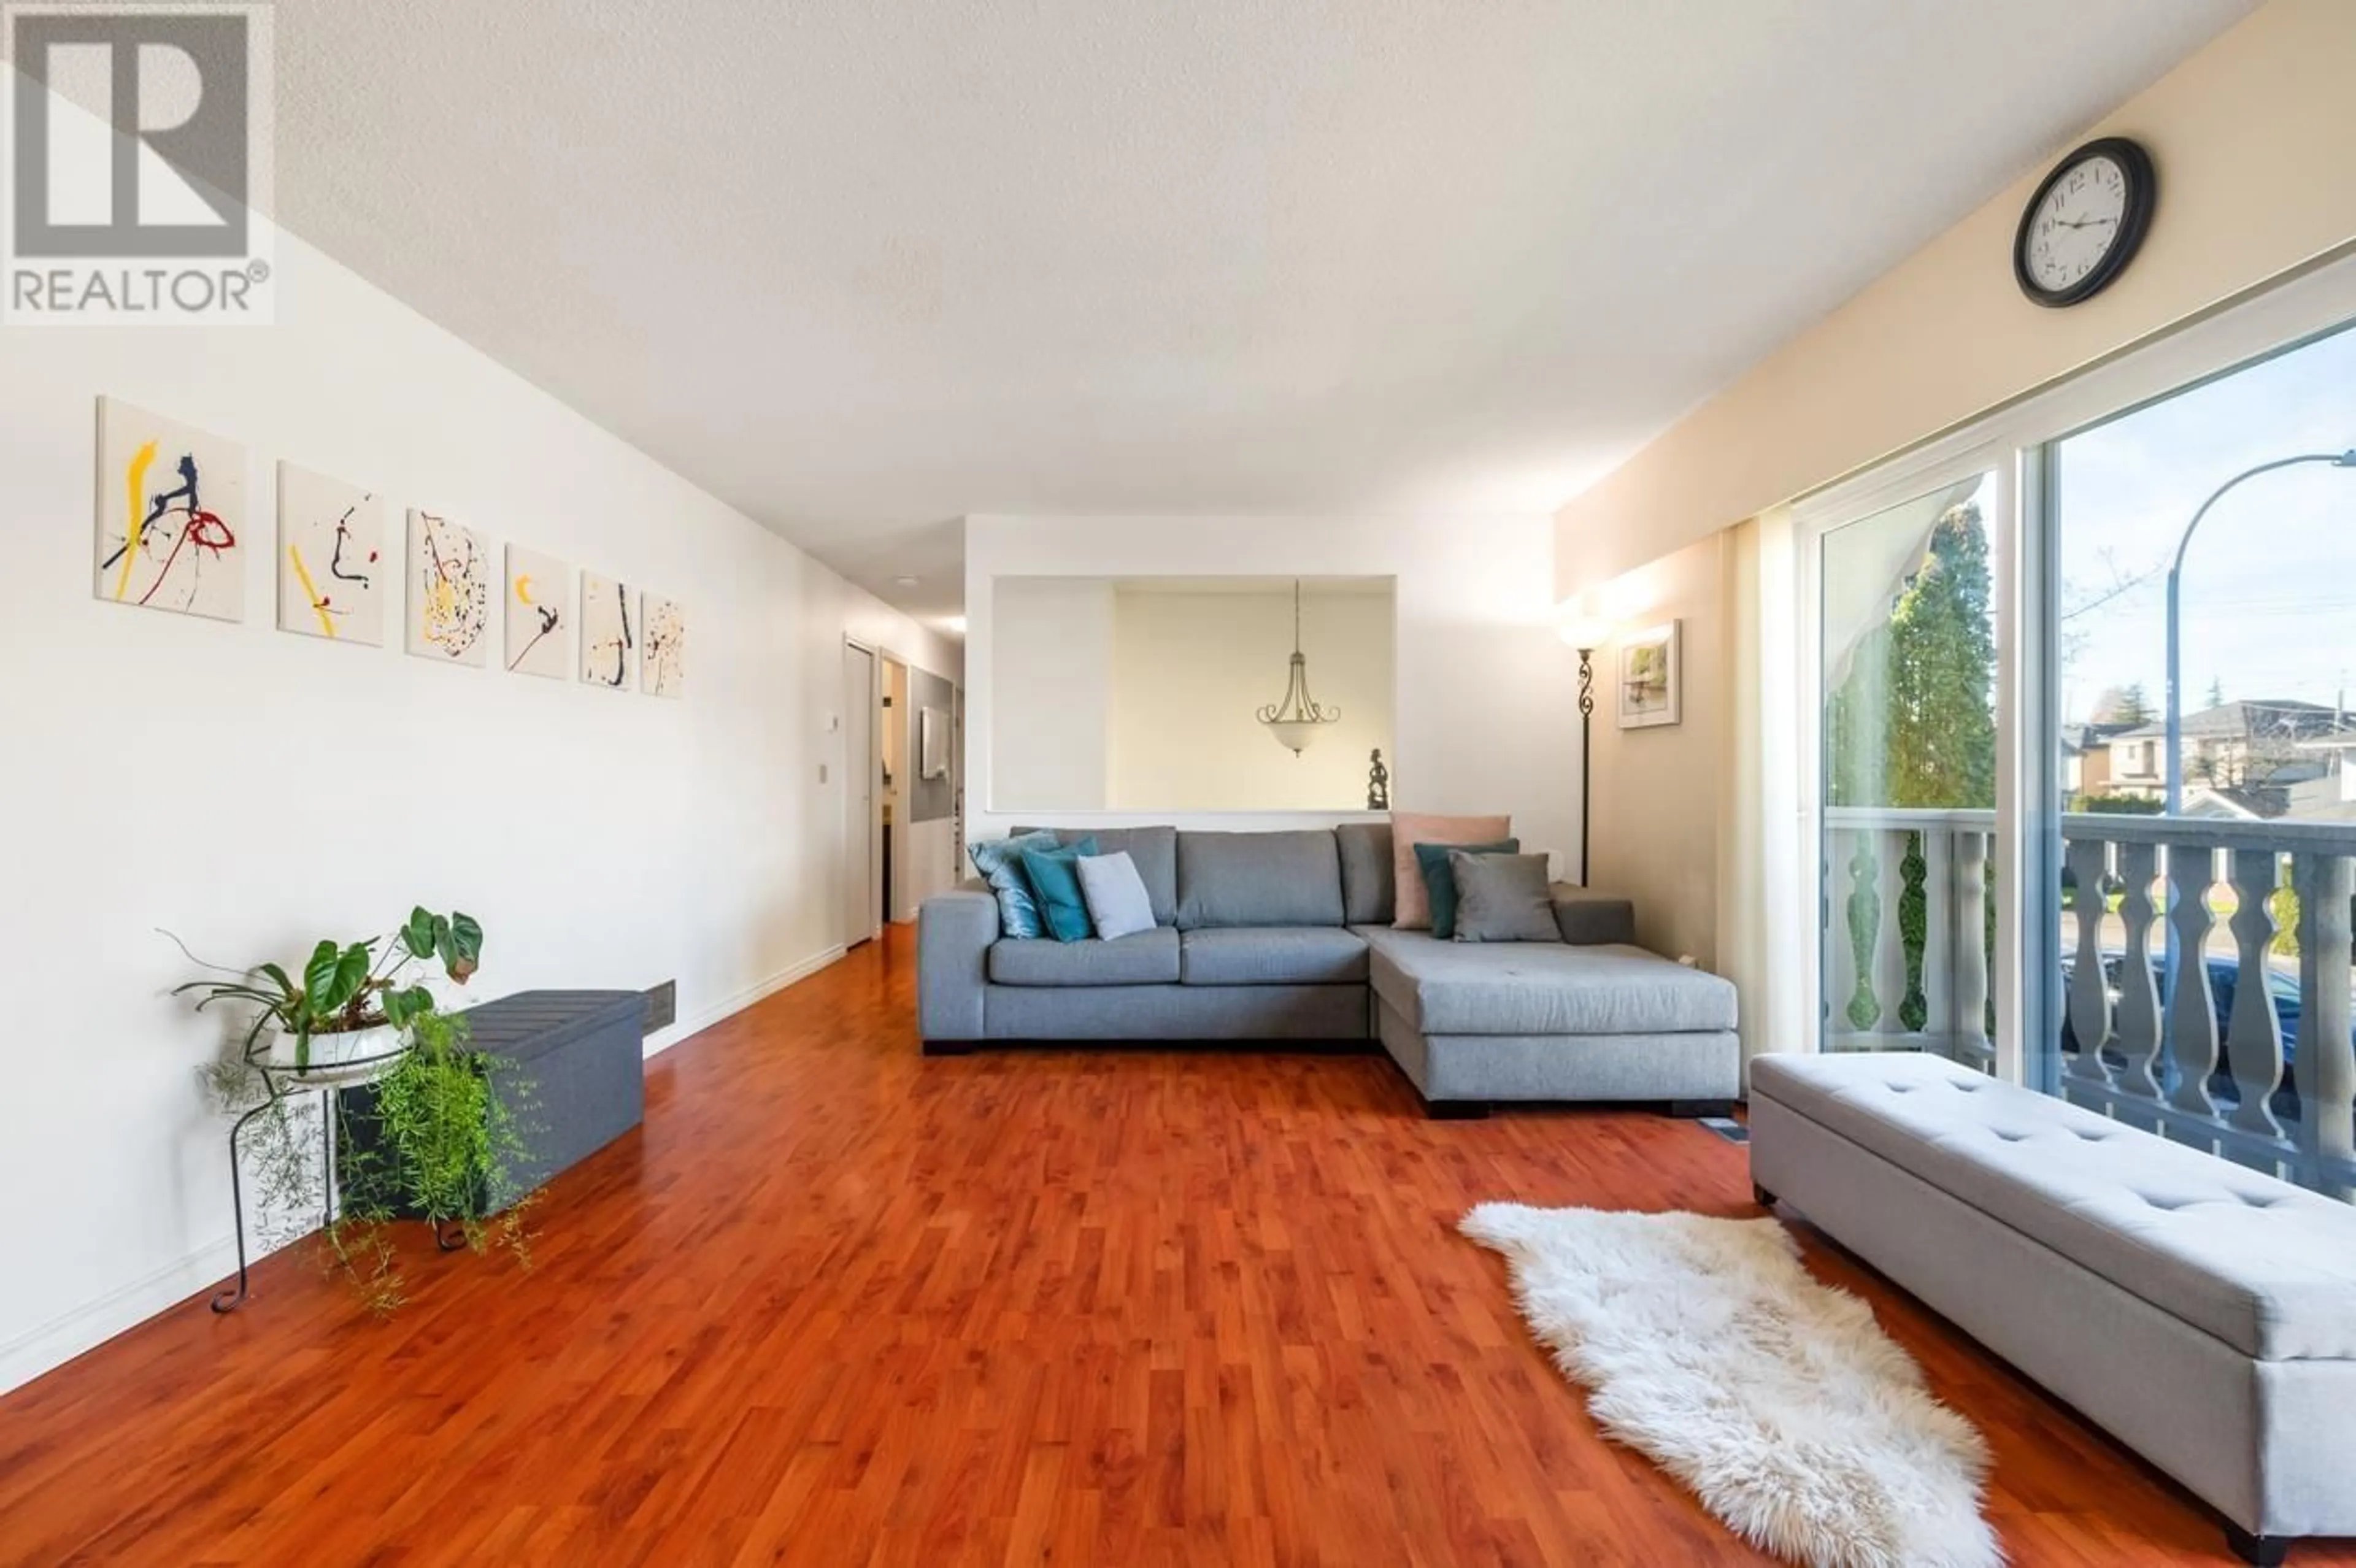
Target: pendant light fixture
{"x":1295,"y":720}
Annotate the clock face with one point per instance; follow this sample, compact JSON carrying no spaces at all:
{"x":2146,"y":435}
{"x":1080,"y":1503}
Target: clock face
{"x":2085,"y":223}
{"x":2077,"y":224}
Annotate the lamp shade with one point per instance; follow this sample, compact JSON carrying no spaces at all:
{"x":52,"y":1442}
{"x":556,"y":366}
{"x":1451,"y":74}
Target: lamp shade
{"x":1293,"y":734}
{"x":1581,"y":628}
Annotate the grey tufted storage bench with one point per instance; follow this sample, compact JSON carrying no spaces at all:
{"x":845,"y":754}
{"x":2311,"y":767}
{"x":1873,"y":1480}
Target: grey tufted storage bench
{"x":2202,"y":1314}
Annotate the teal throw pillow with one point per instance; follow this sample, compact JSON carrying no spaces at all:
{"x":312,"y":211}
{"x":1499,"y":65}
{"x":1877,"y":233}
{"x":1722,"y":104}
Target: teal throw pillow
{"x":1000,"y":861}
{"x":1056,"y":884}
{"x":1431,"y":859}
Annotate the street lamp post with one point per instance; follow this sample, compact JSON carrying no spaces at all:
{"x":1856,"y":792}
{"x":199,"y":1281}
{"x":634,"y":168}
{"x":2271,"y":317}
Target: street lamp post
{"x":2170,"y":958}
{"x":2175,"y":582}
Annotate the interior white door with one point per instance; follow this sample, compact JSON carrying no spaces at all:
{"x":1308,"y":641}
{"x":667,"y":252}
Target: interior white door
{"x":863,"y":916}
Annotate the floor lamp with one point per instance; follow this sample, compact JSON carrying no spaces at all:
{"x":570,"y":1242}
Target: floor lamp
{"x":1586,"y":633}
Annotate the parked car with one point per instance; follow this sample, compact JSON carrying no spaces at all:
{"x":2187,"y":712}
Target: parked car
{"x":2224,"y":981}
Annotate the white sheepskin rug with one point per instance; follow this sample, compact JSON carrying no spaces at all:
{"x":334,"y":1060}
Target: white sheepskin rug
{"x":1706,"y":1346}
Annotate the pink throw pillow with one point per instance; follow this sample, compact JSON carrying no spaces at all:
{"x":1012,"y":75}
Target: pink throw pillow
{"x":1412,"y":908}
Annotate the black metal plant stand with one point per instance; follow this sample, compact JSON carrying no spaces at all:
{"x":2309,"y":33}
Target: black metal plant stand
{"x":284,"y":1084}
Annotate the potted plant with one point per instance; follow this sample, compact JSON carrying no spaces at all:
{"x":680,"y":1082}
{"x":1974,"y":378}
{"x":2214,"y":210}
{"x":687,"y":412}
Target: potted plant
{"x":350,"y":1011}
{"x":437,"y":1137}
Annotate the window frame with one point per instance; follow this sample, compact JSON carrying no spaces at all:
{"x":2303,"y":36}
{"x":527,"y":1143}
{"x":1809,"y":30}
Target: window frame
{"x":2015,"y":443}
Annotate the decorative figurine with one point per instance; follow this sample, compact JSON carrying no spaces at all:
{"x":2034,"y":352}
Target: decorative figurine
{"x":1379,"y":784}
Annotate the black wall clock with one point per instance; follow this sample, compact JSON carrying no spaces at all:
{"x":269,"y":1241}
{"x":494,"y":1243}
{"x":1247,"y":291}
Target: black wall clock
{"x":2085,"y":223}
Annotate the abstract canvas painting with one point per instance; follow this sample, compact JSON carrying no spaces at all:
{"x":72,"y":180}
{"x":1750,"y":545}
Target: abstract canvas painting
{"x":331,"y":571}
{"x":665,"y":654}
{"x":1651,"y":687}
{"x":539,"y":612}
{"x":608,"y":641}
{"x":171,"y":514}
{"x":449,"y":591}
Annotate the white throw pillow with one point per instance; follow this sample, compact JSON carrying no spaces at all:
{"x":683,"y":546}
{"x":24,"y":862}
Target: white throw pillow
{"x":1117,"y":900}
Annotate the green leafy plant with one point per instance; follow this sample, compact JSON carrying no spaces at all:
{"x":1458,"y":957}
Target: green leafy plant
{"x":436,"y":1133}
{"x":346,"y":985}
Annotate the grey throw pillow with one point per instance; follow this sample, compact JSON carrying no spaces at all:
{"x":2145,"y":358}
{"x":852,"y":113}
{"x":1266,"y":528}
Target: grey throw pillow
{"x":1118,"y":902}
{"x":1503,"y":898}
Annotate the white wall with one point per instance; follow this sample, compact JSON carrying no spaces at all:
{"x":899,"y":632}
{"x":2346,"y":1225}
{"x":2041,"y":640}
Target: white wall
{"x":1484,"y":720}
{"x":1052,"y":746}
{"x":1190,"y":671}
{"x":253,"y":790}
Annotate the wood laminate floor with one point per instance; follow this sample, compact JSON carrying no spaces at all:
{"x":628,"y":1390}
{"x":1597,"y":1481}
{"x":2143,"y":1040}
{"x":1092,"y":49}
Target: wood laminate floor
{"x":839,"y":1304}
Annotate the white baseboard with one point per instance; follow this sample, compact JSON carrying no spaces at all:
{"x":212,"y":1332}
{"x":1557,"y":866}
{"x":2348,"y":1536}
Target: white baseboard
{"x":728,"y":1007}
{"x":63,"y":1338}
{"x":84,"y":1327}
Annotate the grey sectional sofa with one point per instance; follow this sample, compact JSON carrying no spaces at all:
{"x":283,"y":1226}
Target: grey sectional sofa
{"x":1287,"y":937}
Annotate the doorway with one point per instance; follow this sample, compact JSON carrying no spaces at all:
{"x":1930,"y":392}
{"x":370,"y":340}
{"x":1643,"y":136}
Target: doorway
{"x":895,"y":801}
{"x":862,"y":879}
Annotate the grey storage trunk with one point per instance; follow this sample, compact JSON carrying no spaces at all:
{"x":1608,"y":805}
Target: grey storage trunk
{"x":578,"y":1059}
{"x":2202,"y":1314}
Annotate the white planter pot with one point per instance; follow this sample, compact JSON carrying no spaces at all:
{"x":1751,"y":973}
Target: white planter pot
{"x":352,"y":1056}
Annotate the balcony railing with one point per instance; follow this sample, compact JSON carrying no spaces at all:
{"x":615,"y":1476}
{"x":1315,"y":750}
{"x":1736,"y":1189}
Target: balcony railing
{"x":1892,"y":873}
{"x":1909,"y":935}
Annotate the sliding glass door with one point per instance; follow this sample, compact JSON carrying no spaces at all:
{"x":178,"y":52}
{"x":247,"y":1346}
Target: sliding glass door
{"x":1907,"y":640}
{"x":2081,"y":774}
{"x":2204,"y":637}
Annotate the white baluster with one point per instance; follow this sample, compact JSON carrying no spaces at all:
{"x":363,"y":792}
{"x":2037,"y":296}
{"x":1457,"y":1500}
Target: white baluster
{"x":1840,"y":964}
{"x":2138,"y":1011}
{"x":2192,"y":1009}
{"x":1889,"y":939}
{"x":1970,"y":936}
{"x":2089,"y":1001}
{"x":1861,"y":874}
{"x":2253,"y":1034}
{"x":2325,"y":1065}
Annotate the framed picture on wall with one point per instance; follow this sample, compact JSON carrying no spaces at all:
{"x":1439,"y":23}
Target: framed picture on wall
{"x":932,"y":743}
{"x":1652,"y":679}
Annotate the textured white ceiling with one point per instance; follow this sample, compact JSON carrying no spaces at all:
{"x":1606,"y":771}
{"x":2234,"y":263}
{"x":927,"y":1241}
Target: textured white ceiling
{"x":862,"y":268}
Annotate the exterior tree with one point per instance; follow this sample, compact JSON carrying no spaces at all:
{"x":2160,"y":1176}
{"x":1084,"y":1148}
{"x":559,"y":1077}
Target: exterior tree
{"x":1910,"y":725}
{"x":2123,"y":705}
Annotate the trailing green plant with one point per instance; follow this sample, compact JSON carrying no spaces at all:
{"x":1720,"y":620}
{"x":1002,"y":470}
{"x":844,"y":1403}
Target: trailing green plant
{"x":437,"y":1134}
{"x":442,"y":1142}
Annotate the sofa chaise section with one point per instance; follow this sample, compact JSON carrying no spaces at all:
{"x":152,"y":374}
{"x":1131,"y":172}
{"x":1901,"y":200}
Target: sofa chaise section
{"x":1471,"y":1024}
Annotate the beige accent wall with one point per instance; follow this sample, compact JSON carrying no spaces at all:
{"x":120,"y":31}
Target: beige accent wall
{"x":2254,"y":137}
{"x":1190,"y":671}
{"x":1654,"y":834}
